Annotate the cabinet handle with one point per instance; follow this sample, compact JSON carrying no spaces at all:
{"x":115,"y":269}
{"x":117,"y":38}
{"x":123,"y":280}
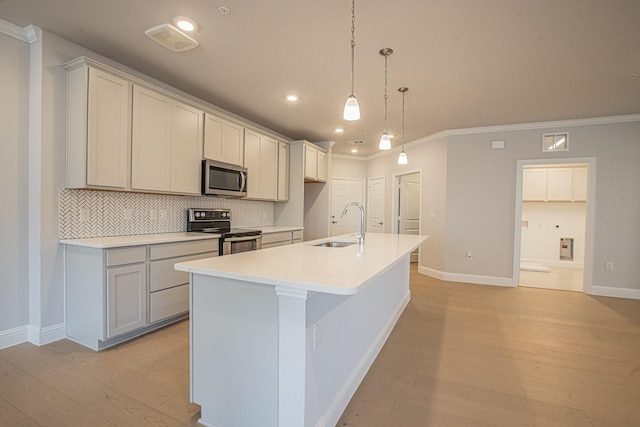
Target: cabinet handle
{"x":380,"y":223}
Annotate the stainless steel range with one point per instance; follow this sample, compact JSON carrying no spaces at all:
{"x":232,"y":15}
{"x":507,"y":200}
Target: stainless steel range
{"x":218,"y":221}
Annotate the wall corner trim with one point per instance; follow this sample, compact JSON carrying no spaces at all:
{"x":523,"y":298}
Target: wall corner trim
{"x":28,"y":34}
{"x":46,"y":335}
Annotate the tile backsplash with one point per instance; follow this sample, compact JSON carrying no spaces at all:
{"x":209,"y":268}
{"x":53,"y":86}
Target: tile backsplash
{"x":87,"y":213}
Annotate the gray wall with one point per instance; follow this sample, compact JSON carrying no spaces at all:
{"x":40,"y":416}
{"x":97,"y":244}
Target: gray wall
{"x":14,"y":127}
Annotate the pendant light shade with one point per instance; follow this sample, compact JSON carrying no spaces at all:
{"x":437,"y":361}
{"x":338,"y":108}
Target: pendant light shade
{"x":385,"y":139}
{"x":351,"y":107}
{"x":385,"y":142}
{"x":402,"y":158}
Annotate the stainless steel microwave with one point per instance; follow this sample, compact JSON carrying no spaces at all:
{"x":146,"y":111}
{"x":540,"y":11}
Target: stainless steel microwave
{"x":223,"y":179}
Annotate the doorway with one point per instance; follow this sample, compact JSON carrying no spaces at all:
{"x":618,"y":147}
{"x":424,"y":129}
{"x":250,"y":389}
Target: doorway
{"x":554,"y":216}
{"x":375,"y":205}
{"x":407,"y":191}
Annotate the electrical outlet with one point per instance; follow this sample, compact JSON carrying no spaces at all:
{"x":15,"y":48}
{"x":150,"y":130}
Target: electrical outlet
{"x":153,"y":214}
{"x":128,"y":214}
{"x":469,"y":257}
{"x":316,"y":335}
{"x":163,"y":214}
{"x":608,"y":266}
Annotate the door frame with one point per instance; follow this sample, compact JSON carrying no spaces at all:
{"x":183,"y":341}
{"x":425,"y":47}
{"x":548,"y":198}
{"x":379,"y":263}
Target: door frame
{"x":395,"y":201}
{"x":590,"y":219}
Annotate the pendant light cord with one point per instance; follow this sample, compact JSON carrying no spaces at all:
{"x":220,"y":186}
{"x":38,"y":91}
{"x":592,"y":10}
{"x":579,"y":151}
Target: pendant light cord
{"x":403,"y":120}
{"x":386,"y":57}
{"x":353,"y":43}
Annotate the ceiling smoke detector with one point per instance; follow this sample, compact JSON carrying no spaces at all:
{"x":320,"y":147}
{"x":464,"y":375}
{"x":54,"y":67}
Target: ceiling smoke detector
{"x":172,"y":38}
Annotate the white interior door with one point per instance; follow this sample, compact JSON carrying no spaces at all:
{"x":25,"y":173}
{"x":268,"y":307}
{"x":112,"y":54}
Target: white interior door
{"x":409,"y":207}
{"x":343,"y":192}
{"x":376,"y":205}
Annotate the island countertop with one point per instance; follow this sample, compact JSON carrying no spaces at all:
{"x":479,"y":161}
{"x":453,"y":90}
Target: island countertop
{"x":304,"y":266}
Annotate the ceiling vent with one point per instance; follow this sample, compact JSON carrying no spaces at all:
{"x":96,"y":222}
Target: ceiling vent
{"x":356,"y":141}
{"x":171,"y":38}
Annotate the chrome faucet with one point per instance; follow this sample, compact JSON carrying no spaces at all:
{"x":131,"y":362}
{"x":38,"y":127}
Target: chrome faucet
{"x":361,"y":233}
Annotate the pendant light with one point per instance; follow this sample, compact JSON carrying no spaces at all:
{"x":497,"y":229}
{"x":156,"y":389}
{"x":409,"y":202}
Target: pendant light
{"x":402,"y":158}
{"x":385,"y":139}
{"x":351,"y":107}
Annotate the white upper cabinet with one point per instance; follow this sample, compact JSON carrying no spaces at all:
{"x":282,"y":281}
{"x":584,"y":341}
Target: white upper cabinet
{"x":223,"y":140}
{"x":166,"y":144}
{"x":98,"y":128}
{"x":315,"y":163}
{"x":261,"y":161}
{"x":554,"y":184}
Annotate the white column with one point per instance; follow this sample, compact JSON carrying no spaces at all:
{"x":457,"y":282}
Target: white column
{"x":292,"y":319}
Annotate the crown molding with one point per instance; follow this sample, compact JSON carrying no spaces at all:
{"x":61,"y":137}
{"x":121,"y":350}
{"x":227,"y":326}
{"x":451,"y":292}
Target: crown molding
{"x":27,"y":34}
{"x":509,"y":128}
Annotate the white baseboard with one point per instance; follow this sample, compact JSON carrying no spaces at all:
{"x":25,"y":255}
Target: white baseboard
{"x":348,"y":389}
{"x":467,"y":278}
{"x":13,"y":336}
{"x":605,"y":291}
{"x":46,"y":335}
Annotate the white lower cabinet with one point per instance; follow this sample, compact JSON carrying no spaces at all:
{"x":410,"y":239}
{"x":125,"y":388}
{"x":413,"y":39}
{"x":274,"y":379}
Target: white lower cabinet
{"x":115,"y":294}
{"x":126,"y":299}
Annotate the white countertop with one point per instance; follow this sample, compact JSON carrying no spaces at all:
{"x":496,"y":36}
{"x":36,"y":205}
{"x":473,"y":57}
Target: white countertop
{"x":342,"y":271}
{"x":137,"y":240}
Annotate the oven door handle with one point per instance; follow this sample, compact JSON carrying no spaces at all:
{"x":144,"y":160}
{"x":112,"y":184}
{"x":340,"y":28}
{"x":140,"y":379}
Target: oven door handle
{"x":242,"y":239}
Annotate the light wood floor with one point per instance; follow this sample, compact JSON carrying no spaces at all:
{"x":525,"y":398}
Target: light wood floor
{"x":460,"y":355}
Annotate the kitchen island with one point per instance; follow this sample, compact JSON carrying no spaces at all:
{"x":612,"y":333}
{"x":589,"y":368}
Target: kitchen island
{"x":284,"y":336}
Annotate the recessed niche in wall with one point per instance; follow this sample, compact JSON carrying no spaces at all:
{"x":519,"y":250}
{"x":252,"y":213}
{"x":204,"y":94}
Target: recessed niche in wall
{"x":555,"y":142}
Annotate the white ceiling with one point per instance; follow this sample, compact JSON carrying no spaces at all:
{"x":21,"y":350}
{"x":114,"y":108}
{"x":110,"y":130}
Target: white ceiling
{"x":467,"y":63}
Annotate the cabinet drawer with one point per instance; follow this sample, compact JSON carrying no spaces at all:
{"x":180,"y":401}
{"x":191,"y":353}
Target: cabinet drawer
{"x":162,"y":275}
{"x":129,"y":255}
{"x":297,"y":236}
{"x":275,"y":244}
{"x":169,"y":302}
{"x":268,"y":239}
{"x":168,"y":250}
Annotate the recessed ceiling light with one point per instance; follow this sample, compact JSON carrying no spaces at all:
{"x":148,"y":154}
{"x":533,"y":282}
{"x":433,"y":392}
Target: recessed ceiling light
{"x":339,"y":130}
{"x":185,"y":23}
{"x":292,"y":98}
{"x":634,"y":76}
{"x":354,"y":150}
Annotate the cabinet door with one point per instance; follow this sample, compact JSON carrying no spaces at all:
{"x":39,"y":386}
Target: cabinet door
{"x":126,"y":299}
{"x":534,"y":185}
{"x":268,"y":168}
{"x":213,"y":128}
{"x":233,"y":144}
{"x":559,"y":186}
{"x":151,"y":142}
{"x":580,"y":177}
{"x":322,"y":166}
{"x":310,"y":163}
{"x":252,"y":162}
{"x":108,"y":134}
{"x":283,"y":171}
{"x":186,"y":148}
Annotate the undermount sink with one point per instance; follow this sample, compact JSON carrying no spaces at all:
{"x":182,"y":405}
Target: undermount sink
{"x":335,"y":244}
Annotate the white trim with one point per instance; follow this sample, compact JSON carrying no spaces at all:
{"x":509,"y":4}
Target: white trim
{"x":467,"y":278}
{"x":27,"y":34}
{"x":349,"y":387}
{"x":349,"y":157}
{"x":15,"y":336}
{"x":606,"y":291}
{"x":46,"y":335}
